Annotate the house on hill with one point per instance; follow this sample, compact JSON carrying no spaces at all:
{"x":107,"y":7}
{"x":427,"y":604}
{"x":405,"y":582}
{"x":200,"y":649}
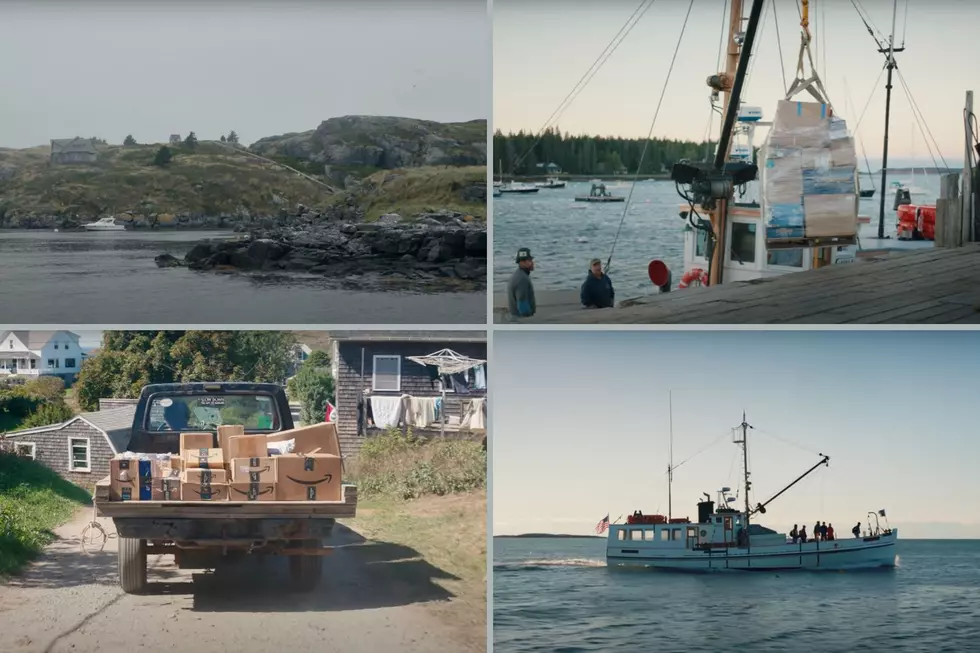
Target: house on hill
{"x":175,"y":139}
{"x":40,"y":353}
{"x":79,"y":449}
{"x":65,"y":151}
{"x":378,"y":385}
{"x":550,"y":168}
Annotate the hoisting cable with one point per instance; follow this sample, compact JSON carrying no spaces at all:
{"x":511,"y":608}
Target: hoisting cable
{"x":646,"y":143}
{"x":848,"y":100}
{"x":779,"y":44}
{"x":915,"y":107}
{"x":862,"y":13}
{"x":762,"y":30}
{"x":583,"y":81}
{"x":714,"y":108}
{"x":702,"y":449}
{"x":812,"y":84}
{"x":871,"y":97}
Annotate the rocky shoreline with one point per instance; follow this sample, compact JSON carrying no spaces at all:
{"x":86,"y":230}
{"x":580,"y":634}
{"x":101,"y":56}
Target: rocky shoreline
{"x":436,"y":251}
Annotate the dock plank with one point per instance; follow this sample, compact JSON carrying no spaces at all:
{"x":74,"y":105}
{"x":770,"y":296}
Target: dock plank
{"x":917,"y":287}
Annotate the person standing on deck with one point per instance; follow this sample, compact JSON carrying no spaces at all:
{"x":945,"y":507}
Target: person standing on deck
{"x":597,"y":291}
{"x":830,"y":533}
{"x":794,"y":534}
{"x":803,"y":535}
{"x":857,"y":530}
{"x":520,"y":290}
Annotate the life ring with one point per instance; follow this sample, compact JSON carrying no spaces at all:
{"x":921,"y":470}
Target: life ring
{"x":694,"y":277}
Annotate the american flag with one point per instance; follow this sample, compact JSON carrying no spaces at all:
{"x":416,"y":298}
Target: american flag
{"x":603,"y":524}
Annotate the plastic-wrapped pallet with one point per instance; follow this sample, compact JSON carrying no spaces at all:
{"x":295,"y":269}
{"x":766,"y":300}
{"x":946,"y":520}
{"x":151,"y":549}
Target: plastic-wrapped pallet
{"x":809,"y":175}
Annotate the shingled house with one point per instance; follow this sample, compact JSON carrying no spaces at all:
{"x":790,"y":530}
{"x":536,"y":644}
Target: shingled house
{"x":79,"y":449}
{"x":73,"y":150}
{"x":373,"y":371}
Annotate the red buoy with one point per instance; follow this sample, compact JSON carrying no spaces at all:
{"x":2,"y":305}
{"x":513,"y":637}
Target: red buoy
{"x":659,"y":272}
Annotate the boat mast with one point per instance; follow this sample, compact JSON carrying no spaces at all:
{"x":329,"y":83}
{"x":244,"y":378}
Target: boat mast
{"x":890,"y":64}
{"x":745,"y":426}
{"x":670,"y":463}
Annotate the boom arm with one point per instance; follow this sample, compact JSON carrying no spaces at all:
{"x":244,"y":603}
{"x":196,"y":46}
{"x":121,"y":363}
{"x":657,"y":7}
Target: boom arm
{"x":761,"y":508}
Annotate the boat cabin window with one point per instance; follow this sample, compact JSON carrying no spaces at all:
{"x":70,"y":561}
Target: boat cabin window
{"x":692,"y":531}
{"x":648,"y":534}
{"x":701,"y":243}
{"x":787,"y":258}
{"x":665,"y":534}
{"x":743,"y":242}
{"x":675,"y":533}
{"x":717,"y":520}
{"x":621,"y":534}
{"x":636,"y":534}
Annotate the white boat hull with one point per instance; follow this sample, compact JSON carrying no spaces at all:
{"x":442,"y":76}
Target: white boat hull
{"x":113,"y":228}
{"x":853,"y":553}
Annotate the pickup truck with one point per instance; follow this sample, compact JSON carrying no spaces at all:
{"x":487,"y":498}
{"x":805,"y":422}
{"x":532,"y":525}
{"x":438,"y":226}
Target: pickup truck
{"x":206,"y":534}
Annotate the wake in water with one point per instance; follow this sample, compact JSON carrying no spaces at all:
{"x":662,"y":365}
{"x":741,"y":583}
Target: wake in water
{"x":545,"y":564}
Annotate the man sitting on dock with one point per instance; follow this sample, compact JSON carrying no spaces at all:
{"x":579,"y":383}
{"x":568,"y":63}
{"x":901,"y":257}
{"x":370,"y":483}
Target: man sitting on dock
{"x":520,"y":290}
{"x":597,"y":291}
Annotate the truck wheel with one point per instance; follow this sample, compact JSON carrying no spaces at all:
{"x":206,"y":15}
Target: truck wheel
{"x":132,"y":565}
{"x":305,"y":571}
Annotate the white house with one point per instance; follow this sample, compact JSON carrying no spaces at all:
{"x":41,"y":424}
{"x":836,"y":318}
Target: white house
{"x":36,"y":353}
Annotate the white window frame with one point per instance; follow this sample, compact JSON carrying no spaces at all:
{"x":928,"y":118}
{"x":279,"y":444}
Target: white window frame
{"x":374,"y":373}
{"x":32,"y":445}
{"x":88,"y":455}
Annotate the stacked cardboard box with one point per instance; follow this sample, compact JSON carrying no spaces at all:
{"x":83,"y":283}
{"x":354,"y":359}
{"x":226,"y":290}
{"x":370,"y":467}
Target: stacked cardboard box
{"x":242,"y":468}
{"x":809,"y":174}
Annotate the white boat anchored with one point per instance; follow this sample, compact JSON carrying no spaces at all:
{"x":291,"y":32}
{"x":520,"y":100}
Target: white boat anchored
{"x":517,"y":187}
{"x":104,"y":224}
{"x":725,"y":538}
{"x":551,"y":182}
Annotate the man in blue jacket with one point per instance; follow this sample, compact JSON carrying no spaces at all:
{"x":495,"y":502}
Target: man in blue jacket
{"x":520,"y":290}
{"x":597,"y":291}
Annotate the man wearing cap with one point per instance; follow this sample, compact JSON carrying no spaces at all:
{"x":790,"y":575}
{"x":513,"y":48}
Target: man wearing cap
{"x":520,"y":290}
{"x":597,"y":291}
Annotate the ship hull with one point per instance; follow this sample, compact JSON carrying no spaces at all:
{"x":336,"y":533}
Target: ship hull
{"x":838,"y":555}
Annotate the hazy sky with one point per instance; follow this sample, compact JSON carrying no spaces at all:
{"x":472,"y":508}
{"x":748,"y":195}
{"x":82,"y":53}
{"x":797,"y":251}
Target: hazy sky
{"x":152,"y":69}
{"x":543,"y":47}
{"x":581,"y":425}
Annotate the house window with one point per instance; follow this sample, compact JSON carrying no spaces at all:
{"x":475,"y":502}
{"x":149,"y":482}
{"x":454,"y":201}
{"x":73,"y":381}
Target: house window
{"x":25,"y":449}
{"x":11,"y":343}
{"x":52,"y":363}
{"x":70,"y":362}
{"x":33,"y":363}
{"x":55,"y":345}
{"x":78,"y":455}
{"x":387,"y":373}
{"x":743,"y":242}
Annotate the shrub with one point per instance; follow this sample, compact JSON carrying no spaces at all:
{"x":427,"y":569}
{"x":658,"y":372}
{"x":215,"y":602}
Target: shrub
{"x":163,"y":156}
{"x":48,"y":413}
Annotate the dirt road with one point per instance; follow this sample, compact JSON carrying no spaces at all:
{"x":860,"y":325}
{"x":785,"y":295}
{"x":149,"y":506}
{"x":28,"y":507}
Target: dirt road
{"x":372,"y":598}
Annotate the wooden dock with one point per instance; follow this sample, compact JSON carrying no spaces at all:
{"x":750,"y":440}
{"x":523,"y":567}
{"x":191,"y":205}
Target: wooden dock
{"x":929,"y":286}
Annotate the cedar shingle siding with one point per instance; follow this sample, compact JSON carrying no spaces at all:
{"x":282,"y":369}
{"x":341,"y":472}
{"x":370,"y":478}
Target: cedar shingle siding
{"x":415,"y":381}
{"x":52,"y":449}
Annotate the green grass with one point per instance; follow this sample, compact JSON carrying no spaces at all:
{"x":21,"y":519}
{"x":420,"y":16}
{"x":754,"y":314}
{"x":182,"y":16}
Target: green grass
{"x":33,"y":502}
{"x":416,"y":190}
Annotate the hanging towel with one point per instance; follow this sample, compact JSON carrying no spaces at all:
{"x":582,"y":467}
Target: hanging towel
{"x":438,"y":409}
{"x":459,"y":385}
{"x":422,"y":411}
{"x":387,"y":411}
{"x":473,"y":418}
{"x":480,"y":378}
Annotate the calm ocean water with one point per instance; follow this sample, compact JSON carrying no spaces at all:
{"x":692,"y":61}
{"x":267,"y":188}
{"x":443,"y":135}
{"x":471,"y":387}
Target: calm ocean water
{"x":557,"y":595}
{"x":100,"y":278}
{"x":564,"y":235}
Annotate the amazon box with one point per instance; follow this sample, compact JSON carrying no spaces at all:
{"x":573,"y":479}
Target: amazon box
{"x":176,"y":463}
{"x":196,"y":441}
{"x":132,"y":479}
{"x":247,"y":446}
{"x":203,"y":459}
{"x":322,"y":437}
{"x":314,"y":477}
{"x":830,"y":215}
{"x":252,"y":492}
{"x":253,"y":470}
{"x":205,"y":476}
{"x":166,"y":489}
{"x":198,"y":492}
{"x":225,"y":432}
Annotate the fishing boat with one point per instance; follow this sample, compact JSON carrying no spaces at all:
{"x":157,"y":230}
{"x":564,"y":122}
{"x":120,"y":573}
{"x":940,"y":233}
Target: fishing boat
{"x":599,"y":194}
{"x":551,"y":182}
{"x":104,"y":224}
{"x":517,"y":187}
{"x":726,"y":538}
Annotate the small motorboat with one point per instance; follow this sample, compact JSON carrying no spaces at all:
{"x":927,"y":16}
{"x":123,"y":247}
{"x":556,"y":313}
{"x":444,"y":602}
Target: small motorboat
{"x":518,"y":187}
{"x":104,"y":224}
{"x":867,"y":192}
{"x":599,"y":194}
{"x":551,"y":182}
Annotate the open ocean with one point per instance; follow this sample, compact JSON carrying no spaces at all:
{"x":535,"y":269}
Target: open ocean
{"x":564,"y":235}
{"x":556,"y":594}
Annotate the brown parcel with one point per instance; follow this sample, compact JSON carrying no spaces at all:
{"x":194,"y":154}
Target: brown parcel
{"x":196,"y":441}
{"x":800,"y":124}
{"x":830,"y":215}
{"x":124,"y":478}
{"x":203,"y":458}
{"x":225,"y":431}
{"x":842,"y":152}
{"x":198,"y":492}
{"x":784,"y":180}
{"x":321,"y":436}
{"x":308,"y":478}
{"x":204,"y":476}
{"x":253,"y":470}
{"x":247,"y":446}
{"x":253,"y":492}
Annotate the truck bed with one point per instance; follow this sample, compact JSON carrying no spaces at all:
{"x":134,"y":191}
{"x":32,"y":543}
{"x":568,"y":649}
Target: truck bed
{"x":225,"y":509}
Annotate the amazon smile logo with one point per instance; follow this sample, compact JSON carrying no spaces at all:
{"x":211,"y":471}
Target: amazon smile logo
{"x":327,"y":478}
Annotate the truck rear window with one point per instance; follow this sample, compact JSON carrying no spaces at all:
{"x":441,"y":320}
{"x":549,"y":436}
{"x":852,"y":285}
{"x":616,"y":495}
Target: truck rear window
{"x":207,"y":412}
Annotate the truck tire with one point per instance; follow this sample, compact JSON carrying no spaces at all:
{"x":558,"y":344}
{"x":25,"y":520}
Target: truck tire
{"x":305,"y":571}
{"x":132,"y":565}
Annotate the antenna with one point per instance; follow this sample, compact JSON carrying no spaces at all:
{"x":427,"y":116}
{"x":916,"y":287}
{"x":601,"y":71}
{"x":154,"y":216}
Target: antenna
{"x":745,"y":426}
{"x":670,"y":454}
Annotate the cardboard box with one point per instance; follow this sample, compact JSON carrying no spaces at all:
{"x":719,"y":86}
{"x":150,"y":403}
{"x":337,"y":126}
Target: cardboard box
{"x":166,"y":489}
{"x":321,"y":436}
{"x":254,"y":470}
{"x":196,"y":441}
{"x":203,"y":458}
{"x":247,"y":446}
{"x":131,"y":478}
{"x":842,"y":153}
{"x":205,"y":476}
{"x":783,"y":233}
{"x":830,"y":181}
{"x":785,"y":215}
{"x":830,"y":215}
{"x":176,"y":463}
{"x":797,"y":116}
{"x":783,"y":180}
{"x":816,"y":158}
{"x":197,"y":492}
{"x":315,"y":477}
{"x":253,"y":492}
{"x":225,"y":432}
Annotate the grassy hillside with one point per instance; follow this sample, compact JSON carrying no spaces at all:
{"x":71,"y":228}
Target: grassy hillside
{"x":415,"y":190}
{"x":33,"y":501}
{"x":209,"y":179}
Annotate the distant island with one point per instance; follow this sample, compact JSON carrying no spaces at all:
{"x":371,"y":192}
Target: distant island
{"x":550,"y":535}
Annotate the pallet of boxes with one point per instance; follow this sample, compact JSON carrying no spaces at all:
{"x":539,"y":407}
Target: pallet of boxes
{"x":302,"y":464}
{"x":809,"y":178}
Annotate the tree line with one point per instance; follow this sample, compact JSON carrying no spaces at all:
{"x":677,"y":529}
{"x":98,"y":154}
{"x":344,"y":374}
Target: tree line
{"x":521,"y":153}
